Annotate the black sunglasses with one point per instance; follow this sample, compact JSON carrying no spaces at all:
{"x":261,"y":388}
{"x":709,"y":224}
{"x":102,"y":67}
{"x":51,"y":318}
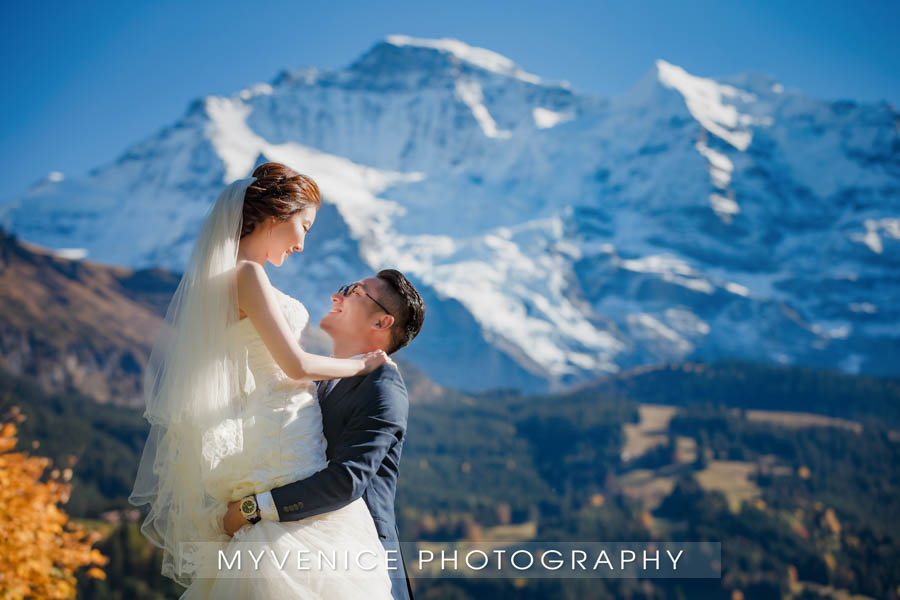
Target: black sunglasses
{"x":346,"y":290}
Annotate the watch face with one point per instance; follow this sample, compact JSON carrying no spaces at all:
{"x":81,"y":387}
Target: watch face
{"x":248,"y":507}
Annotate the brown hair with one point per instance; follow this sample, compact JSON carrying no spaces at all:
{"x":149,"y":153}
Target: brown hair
{"x":406,"y":305}
{"x":278,"y":192}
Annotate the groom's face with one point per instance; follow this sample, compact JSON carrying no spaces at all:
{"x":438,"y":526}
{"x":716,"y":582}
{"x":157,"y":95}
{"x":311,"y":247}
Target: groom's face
{"x":355,"y":311}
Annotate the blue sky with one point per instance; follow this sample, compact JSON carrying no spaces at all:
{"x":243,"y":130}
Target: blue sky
{"x":83,"y":80}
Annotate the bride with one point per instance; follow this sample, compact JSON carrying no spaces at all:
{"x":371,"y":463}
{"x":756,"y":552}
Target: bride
{"x":233,"y":413}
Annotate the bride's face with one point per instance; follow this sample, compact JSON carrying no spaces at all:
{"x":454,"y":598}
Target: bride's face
{"x":287,"y":237}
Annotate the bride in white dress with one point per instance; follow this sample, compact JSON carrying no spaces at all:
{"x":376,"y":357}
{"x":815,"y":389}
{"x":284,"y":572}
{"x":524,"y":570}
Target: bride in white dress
{"x":234,"y":413}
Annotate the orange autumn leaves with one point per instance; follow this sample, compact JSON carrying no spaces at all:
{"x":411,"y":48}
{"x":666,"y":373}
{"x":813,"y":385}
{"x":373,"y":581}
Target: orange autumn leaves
{"x":39,"y":548}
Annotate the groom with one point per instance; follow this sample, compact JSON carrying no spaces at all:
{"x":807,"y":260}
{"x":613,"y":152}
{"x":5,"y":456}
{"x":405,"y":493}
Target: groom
{"x":364,"y":417}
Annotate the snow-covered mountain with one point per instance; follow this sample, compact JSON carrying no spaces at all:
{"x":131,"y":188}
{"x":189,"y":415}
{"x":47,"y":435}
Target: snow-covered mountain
{"x":556,"y":236}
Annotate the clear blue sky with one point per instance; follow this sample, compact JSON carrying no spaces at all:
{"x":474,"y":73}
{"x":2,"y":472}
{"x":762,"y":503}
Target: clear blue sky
{"x":83,"y":80}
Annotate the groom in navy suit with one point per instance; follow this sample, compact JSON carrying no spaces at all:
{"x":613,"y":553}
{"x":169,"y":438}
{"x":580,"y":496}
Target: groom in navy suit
{"x":364,"y":417}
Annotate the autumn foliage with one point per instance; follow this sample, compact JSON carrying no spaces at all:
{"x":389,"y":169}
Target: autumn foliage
{"x":40,"y":550}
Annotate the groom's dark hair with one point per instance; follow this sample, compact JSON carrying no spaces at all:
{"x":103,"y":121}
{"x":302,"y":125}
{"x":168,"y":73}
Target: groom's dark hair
{"x":406,"y":306}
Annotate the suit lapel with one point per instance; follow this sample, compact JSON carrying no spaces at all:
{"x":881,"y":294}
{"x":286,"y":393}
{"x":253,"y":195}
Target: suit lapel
{"x":339,"y":389}
{"x":334,"y":410}
{"x":327,"y":387}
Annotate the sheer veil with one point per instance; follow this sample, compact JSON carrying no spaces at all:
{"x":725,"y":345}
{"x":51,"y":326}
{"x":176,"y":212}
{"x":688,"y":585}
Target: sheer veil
{"x":193,"y":404}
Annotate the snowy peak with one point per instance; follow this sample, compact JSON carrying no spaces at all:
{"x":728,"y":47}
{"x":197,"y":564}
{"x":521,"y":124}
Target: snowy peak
{"x":419,"y":61}
{"x":479,"y":57}
{"x":727,"y":111}
{"x":715,"y":105}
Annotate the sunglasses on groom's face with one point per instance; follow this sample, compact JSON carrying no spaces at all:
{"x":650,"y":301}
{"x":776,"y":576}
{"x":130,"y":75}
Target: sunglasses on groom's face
{"x":346,"y":290}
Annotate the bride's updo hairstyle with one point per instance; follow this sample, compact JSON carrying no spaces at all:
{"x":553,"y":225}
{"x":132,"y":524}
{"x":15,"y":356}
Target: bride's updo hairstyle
{"x":278,"y":192}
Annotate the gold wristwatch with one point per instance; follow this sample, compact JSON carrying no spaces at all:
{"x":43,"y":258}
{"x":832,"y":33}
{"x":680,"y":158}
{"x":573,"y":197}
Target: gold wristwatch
{"x":249,"y":509}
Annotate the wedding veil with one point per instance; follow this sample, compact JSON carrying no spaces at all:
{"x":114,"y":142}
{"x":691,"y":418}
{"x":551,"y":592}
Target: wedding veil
{"x":191,"y":390}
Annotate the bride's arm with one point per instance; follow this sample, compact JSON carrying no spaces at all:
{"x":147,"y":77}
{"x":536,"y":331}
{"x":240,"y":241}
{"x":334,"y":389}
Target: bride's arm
{"x":257,"y":299}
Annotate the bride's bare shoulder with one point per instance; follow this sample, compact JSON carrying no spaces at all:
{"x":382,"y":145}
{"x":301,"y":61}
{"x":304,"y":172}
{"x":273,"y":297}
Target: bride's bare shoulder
{"x":249,"y":272}
{"x":252,"y":277}
{"x":252,"y":280}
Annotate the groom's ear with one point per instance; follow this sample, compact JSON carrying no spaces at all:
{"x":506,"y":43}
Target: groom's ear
{"x":384,"y":322}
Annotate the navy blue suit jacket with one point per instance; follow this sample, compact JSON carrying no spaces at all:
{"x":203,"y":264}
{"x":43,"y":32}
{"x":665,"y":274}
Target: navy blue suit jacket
{"x":364,"y":419}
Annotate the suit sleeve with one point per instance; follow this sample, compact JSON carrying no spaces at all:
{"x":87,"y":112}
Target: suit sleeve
{"x":378,"y":424}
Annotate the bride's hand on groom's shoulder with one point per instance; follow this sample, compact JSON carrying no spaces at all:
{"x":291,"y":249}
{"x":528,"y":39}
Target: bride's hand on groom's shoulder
{"x":375,"y":359}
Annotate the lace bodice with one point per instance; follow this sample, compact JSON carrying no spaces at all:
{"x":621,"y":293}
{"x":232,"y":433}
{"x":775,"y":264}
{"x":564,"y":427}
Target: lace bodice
{"x":282,"y":422}
{"x":256,"y":360}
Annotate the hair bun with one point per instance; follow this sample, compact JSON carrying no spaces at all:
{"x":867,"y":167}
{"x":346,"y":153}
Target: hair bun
{"x":278,"y":192}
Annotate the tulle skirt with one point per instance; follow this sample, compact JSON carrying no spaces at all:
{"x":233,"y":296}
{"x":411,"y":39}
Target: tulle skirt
{"x":332,"y":556}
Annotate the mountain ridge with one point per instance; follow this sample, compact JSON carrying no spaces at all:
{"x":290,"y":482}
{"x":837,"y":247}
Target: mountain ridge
{"x":558,"y":236}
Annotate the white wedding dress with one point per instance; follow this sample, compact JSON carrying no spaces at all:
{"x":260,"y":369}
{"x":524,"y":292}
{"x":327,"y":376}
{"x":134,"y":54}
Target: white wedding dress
{"x":283,"y":442}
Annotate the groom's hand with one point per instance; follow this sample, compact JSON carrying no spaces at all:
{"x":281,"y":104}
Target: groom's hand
{"x":234,"y":520}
